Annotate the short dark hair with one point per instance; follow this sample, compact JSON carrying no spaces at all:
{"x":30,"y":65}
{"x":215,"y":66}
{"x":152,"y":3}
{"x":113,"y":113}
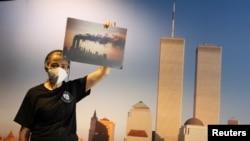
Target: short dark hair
{"x":58,"y":51}
{"x":51,"y":53}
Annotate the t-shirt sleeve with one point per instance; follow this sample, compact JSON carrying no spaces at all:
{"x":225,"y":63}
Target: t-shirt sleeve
{"x":80,"y":89}
{"x":24,"y":115}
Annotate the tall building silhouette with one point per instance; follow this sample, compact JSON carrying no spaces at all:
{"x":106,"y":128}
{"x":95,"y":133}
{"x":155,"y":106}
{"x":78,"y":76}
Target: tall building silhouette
{"x":170,"y":87}
{"x":207,"y":84}
{"x":139,"y":123}
{"x":98,"y":131}
{"x":92,"y":129}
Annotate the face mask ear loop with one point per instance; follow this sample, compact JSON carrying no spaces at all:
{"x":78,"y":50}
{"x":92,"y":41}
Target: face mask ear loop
{"x":68,"y":74}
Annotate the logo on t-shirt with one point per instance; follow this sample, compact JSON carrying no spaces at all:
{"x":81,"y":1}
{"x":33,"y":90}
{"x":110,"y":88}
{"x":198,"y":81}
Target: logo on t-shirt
{"x":66,"y":97}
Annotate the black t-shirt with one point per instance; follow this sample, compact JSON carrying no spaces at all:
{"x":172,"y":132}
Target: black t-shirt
{"x":51,"y":115}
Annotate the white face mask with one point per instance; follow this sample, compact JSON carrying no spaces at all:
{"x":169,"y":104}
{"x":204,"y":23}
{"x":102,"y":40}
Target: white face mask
{"x":57,"y":75}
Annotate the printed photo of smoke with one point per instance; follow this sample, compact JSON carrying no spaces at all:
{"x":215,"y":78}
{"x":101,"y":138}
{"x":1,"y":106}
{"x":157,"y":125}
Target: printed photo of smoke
{"x":92,"y":43}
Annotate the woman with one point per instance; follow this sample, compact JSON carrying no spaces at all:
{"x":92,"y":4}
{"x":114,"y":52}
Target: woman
{"x":48,"y":110}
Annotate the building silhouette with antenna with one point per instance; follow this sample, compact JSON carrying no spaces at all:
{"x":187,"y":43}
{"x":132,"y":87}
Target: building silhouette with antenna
{"x":170,"y":87}
{"x":101,"y":130}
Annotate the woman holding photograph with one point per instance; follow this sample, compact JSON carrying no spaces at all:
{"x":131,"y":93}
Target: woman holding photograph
{"x":48,"y":110}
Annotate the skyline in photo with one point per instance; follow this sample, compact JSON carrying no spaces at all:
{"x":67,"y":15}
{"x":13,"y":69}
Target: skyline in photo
{"x":92,"y":43}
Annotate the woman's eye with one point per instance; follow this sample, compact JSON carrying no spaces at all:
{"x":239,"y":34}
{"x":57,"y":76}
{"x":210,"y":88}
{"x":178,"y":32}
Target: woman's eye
{"x":54,"y":65}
